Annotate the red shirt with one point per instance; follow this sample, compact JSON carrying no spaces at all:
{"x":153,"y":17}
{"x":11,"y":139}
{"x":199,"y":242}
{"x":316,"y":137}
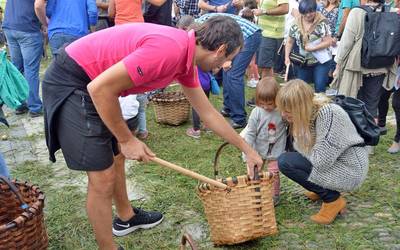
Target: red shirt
{"x":153,"y":55}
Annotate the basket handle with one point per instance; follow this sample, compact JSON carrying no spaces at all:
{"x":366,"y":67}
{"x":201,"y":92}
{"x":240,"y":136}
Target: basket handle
{"x":186,"y":238}
{"x":14,"y":189}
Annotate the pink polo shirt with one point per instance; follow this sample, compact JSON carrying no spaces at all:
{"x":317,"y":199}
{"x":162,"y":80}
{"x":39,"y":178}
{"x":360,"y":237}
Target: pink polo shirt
{"x":153,"y":55}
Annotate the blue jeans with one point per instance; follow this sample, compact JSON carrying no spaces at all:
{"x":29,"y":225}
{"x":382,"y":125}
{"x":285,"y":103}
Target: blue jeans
{"x":142,"y":99}
{"x":298,"y":168}
{"x":233,"y":80}
{"x":317,"y":74}
{"x":57,"y":40}
{"x":26,"y":50}
{"x":3,"y":167}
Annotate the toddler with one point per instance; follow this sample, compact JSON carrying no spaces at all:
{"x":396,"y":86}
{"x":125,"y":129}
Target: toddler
{"x":266,"y":131}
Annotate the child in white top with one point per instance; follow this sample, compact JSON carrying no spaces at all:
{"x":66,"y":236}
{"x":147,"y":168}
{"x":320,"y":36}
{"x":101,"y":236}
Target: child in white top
{"x":266,"y":131}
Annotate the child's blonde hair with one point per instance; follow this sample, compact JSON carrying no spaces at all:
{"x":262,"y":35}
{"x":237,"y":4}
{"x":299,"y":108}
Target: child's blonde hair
{"x":266,"y":90}
{"x":298,"y":99}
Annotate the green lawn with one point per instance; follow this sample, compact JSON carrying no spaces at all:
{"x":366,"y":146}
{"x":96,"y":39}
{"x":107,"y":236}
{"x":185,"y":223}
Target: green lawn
{"x":372,"y":221}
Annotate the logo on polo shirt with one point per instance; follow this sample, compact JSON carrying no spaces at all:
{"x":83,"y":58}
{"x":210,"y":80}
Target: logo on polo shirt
{"x":139,"y":70}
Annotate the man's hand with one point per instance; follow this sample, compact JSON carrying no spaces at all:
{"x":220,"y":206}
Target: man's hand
{"x":134,"y":149}
{"x":222,"y":8}
{"x":309,"y":48}
{"x":253,"y":160}
{"x":258,"y":12}
{"x":227,"y":65}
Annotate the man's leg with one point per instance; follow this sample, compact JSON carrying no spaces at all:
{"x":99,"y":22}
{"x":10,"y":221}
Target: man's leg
{"x":32,"y":50}
{"x":120,"y":196}
{"x":99,"y":205}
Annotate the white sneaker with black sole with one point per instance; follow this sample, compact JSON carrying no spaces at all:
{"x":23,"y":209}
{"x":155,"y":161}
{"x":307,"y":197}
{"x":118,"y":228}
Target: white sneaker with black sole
{"x":141,"y":220}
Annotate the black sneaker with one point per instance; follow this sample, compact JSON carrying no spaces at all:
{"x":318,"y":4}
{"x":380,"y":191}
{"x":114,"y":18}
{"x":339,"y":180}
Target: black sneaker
{"x":383,"y":130}
{"x":35,"y":114}
{"x":21,"y":109}
{"x":237,"y":125}
{"x":120,"y":248}
{"x":224,"y":113}
{"x":251,"y":103}
{"x":142,"y":219}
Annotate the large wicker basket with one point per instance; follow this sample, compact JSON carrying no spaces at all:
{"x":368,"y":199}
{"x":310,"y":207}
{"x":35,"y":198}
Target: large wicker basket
{"x":243,"y":213}
{"x":21,"y":216}
{"x":171,"y":108}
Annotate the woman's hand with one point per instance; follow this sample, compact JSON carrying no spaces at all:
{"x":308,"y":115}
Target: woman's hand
{"x":254,"y":161}
{"x":134,"y":149}
{"x":309,"y":48}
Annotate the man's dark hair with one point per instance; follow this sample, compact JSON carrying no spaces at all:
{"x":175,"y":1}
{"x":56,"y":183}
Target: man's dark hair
{"x":217,"y":31}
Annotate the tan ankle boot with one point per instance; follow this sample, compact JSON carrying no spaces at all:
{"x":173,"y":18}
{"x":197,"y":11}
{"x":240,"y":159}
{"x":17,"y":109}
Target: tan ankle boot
{"x":329,"y":211}
{"x":312,"y":196}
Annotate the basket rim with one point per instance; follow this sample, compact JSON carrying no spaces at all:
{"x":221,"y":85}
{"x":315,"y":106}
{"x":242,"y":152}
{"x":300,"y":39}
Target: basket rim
{"x":33,"y":209}
{"x":162,"y":97}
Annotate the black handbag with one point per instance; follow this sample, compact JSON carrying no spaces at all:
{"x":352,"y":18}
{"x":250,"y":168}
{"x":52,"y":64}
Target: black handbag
{"x":361,"y":118}
{"x":297,"y":59}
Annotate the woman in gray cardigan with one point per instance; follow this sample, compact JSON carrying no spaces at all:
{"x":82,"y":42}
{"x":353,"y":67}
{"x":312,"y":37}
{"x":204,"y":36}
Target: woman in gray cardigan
{"x":330,"y":155}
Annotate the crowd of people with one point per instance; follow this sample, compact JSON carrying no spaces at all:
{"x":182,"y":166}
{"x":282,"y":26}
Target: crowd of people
{"x":109,"y":55}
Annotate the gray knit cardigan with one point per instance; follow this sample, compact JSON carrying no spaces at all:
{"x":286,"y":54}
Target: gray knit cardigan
{"x":338,"y":164}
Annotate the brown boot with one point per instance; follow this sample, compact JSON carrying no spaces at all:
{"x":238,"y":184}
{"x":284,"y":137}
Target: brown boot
{"x":312,"y":196}
{"x":329,"y":211}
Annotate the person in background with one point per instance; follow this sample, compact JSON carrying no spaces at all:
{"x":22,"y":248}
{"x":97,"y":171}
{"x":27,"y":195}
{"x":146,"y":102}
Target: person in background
{"x":3,"y":167}
{"x":221,"y":6}
{"x":185,"y":23}
{"x":330,"y":155}
{"x":252,"y":70}
{"x":383,"y":109}
{"x":103,"y":21}
{"x":310,"y":28}
{"x":25,"y":43}
{"x":330,"y":11}
{"x":344,"y":10}
{"x":186,"y":8}
{"x":233,"y":76}
{"x":69,"y":20}
{"x":3,"y":39}
{"x":158,"y":14}
{"x":266,"y":131}
{"x":271,"y":18}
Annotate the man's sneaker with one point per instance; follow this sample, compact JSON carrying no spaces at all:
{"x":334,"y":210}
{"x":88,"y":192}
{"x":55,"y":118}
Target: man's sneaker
{"x":142,"y":219}
{"x":251,"y":103}
{"x":193,"y":133}
{"x":35,"y":114}
{"x":224,"y":113}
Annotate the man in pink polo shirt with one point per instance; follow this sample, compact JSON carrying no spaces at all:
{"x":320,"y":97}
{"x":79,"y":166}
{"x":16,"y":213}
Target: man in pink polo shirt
{"x":83,"y":117}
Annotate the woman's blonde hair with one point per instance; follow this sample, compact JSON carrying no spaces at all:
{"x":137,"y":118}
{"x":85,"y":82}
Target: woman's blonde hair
{"x":298,"y":99}
{"x":266,"y":90}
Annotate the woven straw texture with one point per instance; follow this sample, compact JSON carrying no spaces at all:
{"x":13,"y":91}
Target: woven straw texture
{"x":243,"y":213}
{"x":171,"y":108}
{"x":21,"y":229}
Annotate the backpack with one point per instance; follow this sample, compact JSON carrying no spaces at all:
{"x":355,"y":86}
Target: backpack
{"x":380,"y":44}
{"x":361,"y":118}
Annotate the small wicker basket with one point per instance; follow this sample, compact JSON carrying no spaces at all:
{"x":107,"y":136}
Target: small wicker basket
{"x":244,"y":213}
{"x":21,"y":216}
{"x":171,"y":108}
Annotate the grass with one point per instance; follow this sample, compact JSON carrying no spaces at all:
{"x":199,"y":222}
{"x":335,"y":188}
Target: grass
{"x":373,"y":208}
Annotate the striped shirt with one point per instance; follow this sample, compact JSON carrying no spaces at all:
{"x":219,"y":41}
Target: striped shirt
{"x":273,"y":26}
{"x":248,"y":28}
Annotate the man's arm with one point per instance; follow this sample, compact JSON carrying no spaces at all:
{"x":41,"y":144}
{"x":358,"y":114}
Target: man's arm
{"x":111,"y":8}
{"x":101,"y":5}
{"x":282,"y":9}
{"x":207,"y":7}
{"x":40,"y":10}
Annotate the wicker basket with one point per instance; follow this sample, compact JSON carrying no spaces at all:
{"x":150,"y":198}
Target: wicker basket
{"x":244,"y":213}
{"x":21,"y":216}
{"x":171,"y":108}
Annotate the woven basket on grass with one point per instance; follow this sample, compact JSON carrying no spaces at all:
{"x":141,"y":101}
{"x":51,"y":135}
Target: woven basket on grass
{"x":171,"y":108}
{"x":243,"y":213}
{"x":21,"y":216}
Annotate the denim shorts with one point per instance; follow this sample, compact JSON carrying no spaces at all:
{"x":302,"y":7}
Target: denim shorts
{"x":267,"y":55}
